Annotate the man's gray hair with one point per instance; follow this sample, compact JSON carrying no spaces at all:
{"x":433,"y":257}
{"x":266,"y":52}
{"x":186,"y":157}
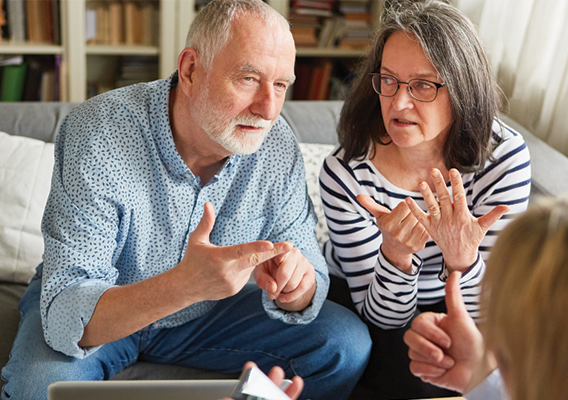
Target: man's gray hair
{"x":212,"y":27}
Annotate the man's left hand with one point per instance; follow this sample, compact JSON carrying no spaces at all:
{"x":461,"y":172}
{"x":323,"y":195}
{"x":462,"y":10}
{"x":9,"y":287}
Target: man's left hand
{"x":289,"y":279}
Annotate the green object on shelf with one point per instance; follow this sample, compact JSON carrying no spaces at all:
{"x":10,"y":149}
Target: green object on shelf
{"x":13,"y":80}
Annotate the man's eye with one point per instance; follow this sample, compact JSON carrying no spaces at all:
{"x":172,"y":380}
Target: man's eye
{"x":248,"y":78}
{"x":281,"y":85}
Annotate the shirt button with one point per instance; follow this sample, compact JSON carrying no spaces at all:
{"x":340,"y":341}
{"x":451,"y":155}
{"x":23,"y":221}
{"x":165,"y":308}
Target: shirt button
{"x":155,"y":325}
{"x":187,"y":176}
{"x":170,"y":168}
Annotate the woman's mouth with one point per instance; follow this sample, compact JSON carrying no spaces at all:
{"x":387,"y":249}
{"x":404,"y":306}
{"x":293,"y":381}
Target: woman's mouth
{"x":403,"y":122}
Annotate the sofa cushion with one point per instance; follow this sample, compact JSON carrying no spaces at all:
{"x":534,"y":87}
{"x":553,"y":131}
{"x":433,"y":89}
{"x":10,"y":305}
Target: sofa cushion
{"x":10,"y":295}
{"x":25,"y":178}
{"x":314,"y":154}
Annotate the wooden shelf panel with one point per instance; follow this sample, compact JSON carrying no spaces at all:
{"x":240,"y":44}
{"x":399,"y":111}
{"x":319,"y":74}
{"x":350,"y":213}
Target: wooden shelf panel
{"x":29,"y":48}
{"x":122,"y":50}
{"x":333,"y":52}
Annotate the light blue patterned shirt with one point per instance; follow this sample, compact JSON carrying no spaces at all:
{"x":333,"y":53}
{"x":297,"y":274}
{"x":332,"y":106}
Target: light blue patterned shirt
{"x":123,"y":204}
{"x":492,"y":388}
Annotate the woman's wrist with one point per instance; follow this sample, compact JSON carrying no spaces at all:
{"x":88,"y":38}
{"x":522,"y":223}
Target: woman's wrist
{"x":399,"y":260}
{"x":461,"y":264}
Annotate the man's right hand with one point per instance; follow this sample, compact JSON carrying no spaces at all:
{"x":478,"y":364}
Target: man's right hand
{"x":206,"y":272}
{"x":447,"y":350}
{"x":219,"y":272}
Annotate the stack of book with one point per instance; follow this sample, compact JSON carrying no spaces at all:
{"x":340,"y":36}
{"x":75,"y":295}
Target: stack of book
{"x":345,"y":24}
{"x":136,"y":69}
{"x":119,"y":22}
{"x":30,"y":78}
{"x":356,"y":31}
{"x":3,"y":27}
{"x":30,"y":20}
{"x":307,"y":18}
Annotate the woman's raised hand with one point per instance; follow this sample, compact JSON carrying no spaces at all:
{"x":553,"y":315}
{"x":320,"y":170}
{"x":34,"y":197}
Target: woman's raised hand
{"x":457,"y":233}
{"x":402,"y":234}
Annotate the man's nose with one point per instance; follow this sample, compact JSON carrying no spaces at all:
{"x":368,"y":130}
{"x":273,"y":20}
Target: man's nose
{"x":265,"y":103}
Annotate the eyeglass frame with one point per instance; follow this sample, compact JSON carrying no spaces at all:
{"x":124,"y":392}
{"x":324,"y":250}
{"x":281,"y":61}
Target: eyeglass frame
{"x":436,"y":84}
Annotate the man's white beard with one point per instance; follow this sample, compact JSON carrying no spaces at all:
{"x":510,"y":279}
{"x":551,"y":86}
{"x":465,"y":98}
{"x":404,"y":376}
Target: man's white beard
{"x":214,"y":120}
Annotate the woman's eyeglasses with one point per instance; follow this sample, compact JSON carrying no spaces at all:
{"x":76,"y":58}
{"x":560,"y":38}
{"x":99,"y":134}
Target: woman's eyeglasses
{"x":420,"y":89}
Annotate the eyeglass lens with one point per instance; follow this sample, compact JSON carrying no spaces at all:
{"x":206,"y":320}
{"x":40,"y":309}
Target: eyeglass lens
{"x":387,"y":85}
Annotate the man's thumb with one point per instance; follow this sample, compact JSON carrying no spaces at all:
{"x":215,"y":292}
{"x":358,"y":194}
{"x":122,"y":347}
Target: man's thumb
{"x":454,"y":298}
{"x":205,"y":226}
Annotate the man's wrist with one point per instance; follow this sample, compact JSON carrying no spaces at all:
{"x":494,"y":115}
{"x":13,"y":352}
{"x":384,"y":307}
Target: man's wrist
{"x":301,"y":303}
{"x":486,"y":366}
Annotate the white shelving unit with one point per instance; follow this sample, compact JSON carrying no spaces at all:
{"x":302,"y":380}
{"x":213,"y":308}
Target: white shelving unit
{"x":175,"y":19}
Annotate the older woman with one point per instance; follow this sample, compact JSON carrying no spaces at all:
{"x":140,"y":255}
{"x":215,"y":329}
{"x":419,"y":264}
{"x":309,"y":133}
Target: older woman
{"x":424,"y":178}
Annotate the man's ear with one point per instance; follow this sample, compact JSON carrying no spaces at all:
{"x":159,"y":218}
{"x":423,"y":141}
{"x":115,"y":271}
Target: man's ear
{"x":189,"y":67}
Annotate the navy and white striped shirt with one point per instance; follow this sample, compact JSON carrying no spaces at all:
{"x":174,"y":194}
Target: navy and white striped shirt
{"x":382,"y":293}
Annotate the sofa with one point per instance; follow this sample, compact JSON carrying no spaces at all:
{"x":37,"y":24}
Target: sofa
{"x":313,"y":123}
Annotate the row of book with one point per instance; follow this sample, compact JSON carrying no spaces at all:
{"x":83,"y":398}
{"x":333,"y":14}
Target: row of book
{"x":323,"y":79}
{"x":127,"y":22}
{"x":129,"y":71}
{"x":30,"y":20}
{"x":345,"y":24}
{"x":30,"y":78}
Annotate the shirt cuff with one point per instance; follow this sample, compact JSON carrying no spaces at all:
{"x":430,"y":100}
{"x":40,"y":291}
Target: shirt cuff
{"x":445,"y":273}
{"x":492,"y":388}
{"x":417,"y":264}
{"x":305,"y":316}
{"x":67,"y":316}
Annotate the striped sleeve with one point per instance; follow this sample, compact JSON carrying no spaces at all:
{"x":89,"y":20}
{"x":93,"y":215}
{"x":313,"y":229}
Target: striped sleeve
{"x":505,"y":180}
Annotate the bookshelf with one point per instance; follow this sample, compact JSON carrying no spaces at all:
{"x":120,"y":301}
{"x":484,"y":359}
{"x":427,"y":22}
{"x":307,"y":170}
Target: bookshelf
{"x":80,"y":62}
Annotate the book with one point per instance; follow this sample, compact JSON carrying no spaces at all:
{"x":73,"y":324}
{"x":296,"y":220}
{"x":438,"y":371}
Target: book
{"x":133,"y":24}
{"x":149,"y":29}
{"x":13,"y":79}
{"x":56,"y":29}
{"x":11,"y":60}
{"x":33,"y":20}
{"x":33,"y":80}
{"x":3,"y":21}
{"x":16,"y":20}
{"x":90,"y":24}
{"x":47,"y":91}
{"x":116,"y":14}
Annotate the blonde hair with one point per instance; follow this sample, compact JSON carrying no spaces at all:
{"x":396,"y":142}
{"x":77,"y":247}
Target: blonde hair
{"x":525,"y":301}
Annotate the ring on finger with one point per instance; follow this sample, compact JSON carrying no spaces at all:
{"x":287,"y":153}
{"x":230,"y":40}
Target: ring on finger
{"x":436,"y":213}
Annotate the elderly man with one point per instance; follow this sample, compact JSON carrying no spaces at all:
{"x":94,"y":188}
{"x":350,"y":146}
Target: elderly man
{"x":166,"y":196}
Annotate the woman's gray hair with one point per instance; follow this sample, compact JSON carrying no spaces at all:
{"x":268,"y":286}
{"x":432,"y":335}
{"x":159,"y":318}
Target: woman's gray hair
{"x":451,"y":43}
{"x":211,"y":29}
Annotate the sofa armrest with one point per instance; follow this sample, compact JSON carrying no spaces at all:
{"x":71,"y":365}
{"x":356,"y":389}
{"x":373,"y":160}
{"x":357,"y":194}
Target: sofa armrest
{"x":549,"y":167}
{"x":38,"y":120}
{"x":313,"y":121}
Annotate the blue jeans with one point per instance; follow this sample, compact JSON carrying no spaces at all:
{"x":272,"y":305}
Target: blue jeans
{"x":330,"y":353}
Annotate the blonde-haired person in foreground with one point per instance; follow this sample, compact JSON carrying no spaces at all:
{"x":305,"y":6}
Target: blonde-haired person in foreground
{"x":525,"y":303}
